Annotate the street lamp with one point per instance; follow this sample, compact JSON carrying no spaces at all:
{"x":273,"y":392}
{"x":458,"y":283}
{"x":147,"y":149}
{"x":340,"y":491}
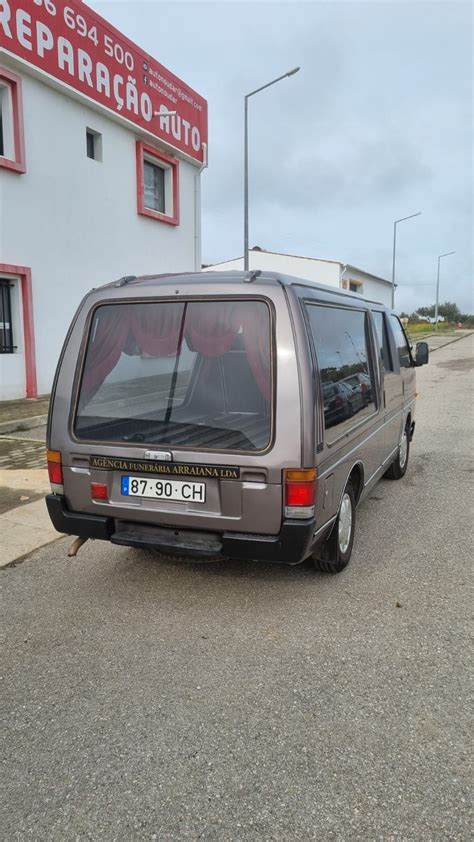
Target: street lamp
{"x":246,"y":160}
{"x":394,"y":246}
{"x":437,"y":286}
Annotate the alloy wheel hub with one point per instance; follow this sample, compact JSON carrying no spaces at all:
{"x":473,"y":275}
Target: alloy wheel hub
{"x":345,"y":523}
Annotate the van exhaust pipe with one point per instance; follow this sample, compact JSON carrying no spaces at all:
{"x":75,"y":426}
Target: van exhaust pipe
{"x":76,"y":546}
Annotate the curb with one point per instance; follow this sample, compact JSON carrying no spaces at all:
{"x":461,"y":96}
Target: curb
{"x":13,"y":562}
{"x":25,"y":423}
{"x":25,"y":529}
{"x":457,"y":339}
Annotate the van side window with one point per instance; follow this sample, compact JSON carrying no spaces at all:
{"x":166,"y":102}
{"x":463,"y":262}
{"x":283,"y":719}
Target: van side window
{"x":340,"y":340}
{"x":382,"y":339}
{"x":401,"y":343}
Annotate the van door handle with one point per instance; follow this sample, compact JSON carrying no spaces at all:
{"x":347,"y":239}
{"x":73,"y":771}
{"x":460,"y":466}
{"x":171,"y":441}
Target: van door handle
{"x":384,"y":400}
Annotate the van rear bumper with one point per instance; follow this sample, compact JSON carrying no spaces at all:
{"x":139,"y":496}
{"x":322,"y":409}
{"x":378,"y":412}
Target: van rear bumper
{"x":77,"y":523}
{"x":291,"y":546}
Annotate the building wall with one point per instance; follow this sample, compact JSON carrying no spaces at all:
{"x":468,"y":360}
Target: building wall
{"x":318,"y":271}
{"x":376,"y":290}
{"x":74,"y":220}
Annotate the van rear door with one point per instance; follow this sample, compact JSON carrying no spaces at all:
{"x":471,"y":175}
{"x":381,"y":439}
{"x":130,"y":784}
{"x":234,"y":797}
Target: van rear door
{"x":176,"y":414}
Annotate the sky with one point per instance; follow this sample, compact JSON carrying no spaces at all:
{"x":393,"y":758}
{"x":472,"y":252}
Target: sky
{"x":377,"y":125}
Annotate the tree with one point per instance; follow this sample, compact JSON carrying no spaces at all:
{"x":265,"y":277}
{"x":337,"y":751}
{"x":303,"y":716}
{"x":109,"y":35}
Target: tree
{"x":449,"y":310}
{"x":426,"y":311}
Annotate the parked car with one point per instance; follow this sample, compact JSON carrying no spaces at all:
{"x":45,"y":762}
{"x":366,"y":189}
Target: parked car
{"x":341,"y":401}
{"x":187,"y":415}
{"x":360,"y":382}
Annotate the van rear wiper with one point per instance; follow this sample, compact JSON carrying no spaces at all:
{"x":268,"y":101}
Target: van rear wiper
{"x":134,"y":437}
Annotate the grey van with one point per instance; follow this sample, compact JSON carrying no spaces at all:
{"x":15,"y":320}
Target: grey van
{"x":196,"y":414}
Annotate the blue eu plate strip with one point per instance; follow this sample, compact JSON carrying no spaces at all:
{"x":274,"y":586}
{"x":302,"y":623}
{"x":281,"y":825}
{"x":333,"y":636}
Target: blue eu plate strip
{"x":125,"y":482}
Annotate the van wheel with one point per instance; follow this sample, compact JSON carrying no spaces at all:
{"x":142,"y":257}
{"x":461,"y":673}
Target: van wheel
{"x":399,"y":466}
{"x":335,"y":553}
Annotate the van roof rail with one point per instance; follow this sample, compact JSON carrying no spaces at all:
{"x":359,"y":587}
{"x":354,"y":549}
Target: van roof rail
{"x":252,"y":276}
{"x":127,"y":279}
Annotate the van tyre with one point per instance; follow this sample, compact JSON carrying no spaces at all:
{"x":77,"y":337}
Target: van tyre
{"x":399,"y":466}
{"x":335,"y":553}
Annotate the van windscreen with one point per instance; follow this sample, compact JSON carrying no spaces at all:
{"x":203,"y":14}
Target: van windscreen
{"x":193,"y":374}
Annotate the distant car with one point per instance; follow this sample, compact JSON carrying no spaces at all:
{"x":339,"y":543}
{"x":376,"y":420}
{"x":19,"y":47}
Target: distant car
{"x":340,"y":402}
{"x":430,"y":319}
{"x":360,"y":383}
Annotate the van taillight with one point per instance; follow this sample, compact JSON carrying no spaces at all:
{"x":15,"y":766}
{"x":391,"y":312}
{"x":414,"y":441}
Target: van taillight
{"x":55,"y":470}
{"x":300,"y":492}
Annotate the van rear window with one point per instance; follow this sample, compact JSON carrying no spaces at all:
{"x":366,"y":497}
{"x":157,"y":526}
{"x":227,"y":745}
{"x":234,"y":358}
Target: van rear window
{"x":188,"y":374}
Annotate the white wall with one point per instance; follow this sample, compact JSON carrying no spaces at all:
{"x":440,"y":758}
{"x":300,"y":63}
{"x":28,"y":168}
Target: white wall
{"x":319,"y":271}
{"x":74,"y":220}
{"x":372,"y":288}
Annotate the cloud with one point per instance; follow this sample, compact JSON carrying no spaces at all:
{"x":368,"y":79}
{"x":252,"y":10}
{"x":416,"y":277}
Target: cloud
{"x":377,"y":125}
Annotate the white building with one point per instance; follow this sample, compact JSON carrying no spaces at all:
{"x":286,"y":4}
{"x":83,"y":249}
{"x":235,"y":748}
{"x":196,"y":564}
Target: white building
{"x":94,"y":182}
{"x":330,"y":272}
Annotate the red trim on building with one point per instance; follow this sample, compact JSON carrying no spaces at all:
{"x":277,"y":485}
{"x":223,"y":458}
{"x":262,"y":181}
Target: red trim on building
{"x":144,"y":150}
{"x":80,"y":49}
{"x":18,"y":163}
{"x":24,"y":273}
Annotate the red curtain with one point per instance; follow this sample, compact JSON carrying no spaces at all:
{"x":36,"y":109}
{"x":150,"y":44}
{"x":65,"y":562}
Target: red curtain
{"x":156,"y":328}
{"x":108,"y":341}
{"x":257,"y":345}
{"x":211,"y":329}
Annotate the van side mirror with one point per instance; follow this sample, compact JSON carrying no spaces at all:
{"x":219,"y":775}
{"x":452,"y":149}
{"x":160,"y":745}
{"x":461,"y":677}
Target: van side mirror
{"x":422,"y":353}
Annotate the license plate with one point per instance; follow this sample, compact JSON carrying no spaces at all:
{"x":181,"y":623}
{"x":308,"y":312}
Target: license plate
{"x":164,"y":489}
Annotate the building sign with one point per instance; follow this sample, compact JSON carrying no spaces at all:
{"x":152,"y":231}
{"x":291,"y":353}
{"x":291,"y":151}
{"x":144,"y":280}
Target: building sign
{"x":77,"y":46}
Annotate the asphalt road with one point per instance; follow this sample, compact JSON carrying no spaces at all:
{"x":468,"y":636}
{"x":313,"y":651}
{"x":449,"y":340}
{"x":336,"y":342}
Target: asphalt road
{"x":150,"y":700}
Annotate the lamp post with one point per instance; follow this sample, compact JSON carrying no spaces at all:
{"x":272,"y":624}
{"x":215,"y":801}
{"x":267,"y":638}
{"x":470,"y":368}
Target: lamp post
{"x":412,"y":215}
{"x":246,"y":160}
{"x":437,"y":286}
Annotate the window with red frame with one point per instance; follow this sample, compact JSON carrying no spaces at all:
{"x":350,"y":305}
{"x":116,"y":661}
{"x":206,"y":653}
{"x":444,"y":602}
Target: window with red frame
{"x":157,"y":184}
{"x":12,"y":146}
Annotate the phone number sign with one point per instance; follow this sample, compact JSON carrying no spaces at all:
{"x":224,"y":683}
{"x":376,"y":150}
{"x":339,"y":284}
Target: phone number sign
{"x":78,"y":47}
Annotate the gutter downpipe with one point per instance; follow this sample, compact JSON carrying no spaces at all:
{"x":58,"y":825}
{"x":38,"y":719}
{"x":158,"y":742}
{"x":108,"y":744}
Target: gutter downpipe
{"x":342,"y":271}
{"x":197,"y":210}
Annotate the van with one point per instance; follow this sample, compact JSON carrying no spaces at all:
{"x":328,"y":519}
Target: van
{"x":228,"y":415}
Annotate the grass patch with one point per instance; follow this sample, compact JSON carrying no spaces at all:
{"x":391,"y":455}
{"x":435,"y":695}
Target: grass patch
{"x":417,"y":331}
